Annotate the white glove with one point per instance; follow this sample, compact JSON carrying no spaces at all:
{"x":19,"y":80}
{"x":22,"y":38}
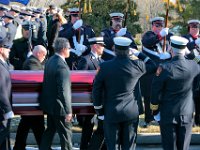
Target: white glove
{"x":29,"y":54}
{"x":165,"y":55}
{"x":78,"y":24}
{"x":101,"y":117}
{"x":197,"y":42}
{"x":122,"y":32}
{"x":164,"y":32}
{"x":134,"y":52}
{"x":157,"y":117}
{"x":77,"y":52}
{"x":80,"y":47}
{"x":94,"y":120}
{"x":8,"y":115}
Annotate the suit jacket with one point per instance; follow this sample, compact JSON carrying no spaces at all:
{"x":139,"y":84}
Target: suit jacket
{"x":118,"y":78}
{"x":5,"y":90}
{"x":56,"y":91}
{"x":32,"y":63}
{"x":172,"y":89}
{"x":89,"y":62}
{"x":18,"y":53}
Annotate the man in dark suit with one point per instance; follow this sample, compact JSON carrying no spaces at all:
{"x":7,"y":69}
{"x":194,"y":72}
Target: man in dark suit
{"x":56,"y":97}
{"x":113,"y":94}
{"x":36,"y":123}
{"x":6,"y":112}
{"x":91,"y":62}
{"x":172,"y":93}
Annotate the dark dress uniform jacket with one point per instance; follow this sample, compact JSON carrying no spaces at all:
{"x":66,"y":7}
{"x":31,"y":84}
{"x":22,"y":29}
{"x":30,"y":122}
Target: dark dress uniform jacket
{"x":150,"y":41}
{"x":18,"y":53}
{"x":172,"y":89}
{"x":68,"y":32}
{"x":108,"y":35}
{"x":56,"y":93}
{"x":118,"y":78}
{"x":191,"y":44}
{"x":5,"y":90}
{"x":89,"y":62}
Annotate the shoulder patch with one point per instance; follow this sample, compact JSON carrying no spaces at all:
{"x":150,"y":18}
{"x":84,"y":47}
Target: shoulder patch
{"x":158,"y":71}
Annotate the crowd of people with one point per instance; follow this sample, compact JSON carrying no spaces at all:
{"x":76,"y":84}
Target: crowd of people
{"x":167,"y":79}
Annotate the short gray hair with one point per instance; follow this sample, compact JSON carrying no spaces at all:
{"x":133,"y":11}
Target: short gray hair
{"x":60,"y":43}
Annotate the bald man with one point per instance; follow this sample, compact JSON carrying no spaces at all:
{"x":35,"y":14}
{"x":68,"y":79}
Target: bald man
{"x":36,"y":123}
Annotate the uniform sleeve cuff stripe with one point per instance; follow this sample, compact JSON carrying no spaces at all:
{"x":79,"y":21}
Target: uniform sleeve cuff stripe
{"x":98,"y":107}
{"x":146,"y":59}
{"x":153,"y":107}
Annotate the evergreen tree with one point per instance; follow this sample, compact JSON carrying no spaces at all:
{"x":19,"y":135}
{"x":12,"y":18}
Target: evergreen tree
{"x":99,"y":17}
{"x":186,"y":10}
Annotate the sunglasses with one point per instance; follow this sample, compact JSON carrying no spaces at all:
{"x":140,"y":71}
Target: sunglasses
{"x":158,"y":25}
{"x":117,"y":19}
{"x":194,"y":26}
{"x":74,"y":15}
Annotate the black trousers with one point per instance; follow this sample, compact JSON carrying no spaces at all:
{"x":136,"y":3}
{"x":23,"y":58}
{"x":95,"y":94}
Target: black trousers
{"x":148,"y":113}
{"x":64,"y":129}
{"x":176,"y":136}
{"x":36,"y":123}
{"x":122,"y":135}
{"x":87,"y":130}
{"x":5,"y":145}
{"x":97,"y":141}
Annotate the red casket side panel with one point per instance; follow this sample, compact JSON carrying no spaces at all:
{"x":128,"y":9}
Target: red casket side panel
{"x":27,"y":85}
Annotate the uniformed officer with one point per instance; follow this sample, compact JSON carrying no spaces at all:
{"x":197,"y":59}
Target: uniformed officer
{"x":116,"y":29}
{"x":78,"y":35}
{"x":172,"y":93}
{"x":6,"y":112}
{"x":3,"y":11}
{"x":41,"y":25}
{"x":10,"y":27}
{"x":113,"y":94}
{"x":152,"y":42}
{"x":21,"y":48}
{"x":193,"y":36}
{"x":49,"y":17}
{"x":91,"y":61}
{"x":194,"y":47}
{"x":15,"y":11}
